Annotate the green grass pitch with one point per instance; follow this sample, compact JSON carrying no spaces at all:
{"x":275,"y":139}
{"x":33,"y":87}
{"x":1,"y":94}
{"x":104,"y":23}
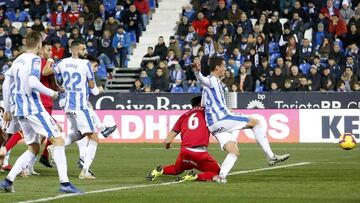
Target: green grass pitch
{"x":331,"y":176}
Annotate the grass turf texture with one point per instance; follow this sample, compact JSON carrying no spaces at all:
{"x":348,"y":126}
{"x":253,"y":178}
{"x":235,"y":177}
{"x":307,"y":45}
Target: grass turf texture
{"x":333,"y":176}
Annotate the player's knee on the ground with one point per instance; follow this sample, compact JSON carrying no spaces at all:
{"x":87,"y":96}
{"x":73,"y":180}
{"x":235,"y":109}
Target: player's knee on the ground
{"x":34,"y":148}
{"x":57,"y":141}
{"x":231,"y":147}
{"x":93,"y":136}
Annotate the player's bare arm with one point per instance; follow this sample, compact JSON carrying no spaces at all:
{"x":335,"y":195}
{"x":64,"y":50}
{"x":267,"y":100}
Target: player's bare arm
{"x":196,"y":67}
{"x":170,"y":137}
{"x":47,"y":69}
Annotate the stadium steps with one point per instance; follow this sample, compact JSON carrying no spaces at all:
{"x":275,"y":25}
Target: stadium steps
{"x":122,"y":79}
{"x":163,"y":23}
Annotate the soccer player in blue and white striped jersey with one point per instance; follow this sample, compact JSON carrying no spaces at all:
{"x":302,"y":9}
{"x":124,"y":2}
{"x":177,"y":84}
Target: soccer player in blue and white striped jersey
{"x":78,"y":79}
{"x":33,"y":119}
{"x":221,"y":122}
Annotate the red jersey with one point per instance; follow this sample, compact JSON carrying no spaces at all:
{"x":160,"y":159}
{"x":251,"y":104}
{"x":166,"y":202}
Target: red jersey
{"x":46,"y":81}
{"x":193,"y":129}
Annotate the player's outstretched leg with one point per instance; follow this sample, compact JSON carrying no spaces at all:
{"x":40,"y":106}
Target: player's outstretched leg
{"x":155,"y":173}
{"x":261,"y":138}
{"x":20,"y":164}
{"x":105,"y":131}
{"x":108,"y":131}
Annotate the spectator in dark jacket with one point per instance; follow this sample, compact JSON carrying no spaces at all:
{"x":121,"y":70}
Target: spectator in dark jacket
{"x":234,"y":13}
{"x":307,"y":52}
{"x":149,"y":57}
{"x":133,"y":21}
{"x":103,"y":13}
{"x":245,"y":23}
{"x":38,"y":26}
{"x":15,"y":37}
{"x":98,"y":26}
{"x":297,"y":25}
{"x":355,"y":20}
{"x":277,"y":78}
{"x":161,"y":49}
{"x":337,"y":54}
{"x":183,"y":28}
{"x":83,"y":27}
{"x":246,"y":82}
{"x":314,"y":78}
{"x":159,"y":82}
{"x":275,"y":28}
{"x":327,"y":80}
{"x":353,"y":36}
{"x":303,"y":84}
{"x":37,"y":10}
{"x":221,"y":12}
{"x":106,"y":50}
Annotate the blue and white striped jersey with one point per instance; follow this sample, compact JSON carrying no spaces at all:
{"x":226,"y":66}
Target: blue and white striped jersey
{"x":213,"y":98}
{"x":27,"y":101}
{"x":75,"y":74}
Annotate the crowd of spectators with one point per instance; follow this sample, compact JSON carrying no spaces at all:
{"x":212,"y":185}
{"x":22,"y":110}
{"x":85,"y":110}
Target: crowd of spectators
{"x":268,"y":45}
{"x":108,"y":27}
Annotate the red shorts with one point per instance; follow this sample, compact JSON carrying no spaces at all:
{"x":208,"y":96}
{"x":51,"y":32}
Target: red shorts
{"x":201,"y":161}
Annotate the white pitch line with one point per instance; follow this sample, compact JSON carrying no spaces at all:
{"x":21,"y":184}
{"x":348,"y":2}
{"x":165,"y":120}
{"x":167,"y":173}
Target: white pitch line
{"x":154,"y":185}
{"x":250,"y":148}
{"x":269,"y":168}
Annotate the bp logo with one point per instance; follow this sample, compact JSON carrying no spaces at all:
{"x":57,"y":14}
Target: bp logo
{"x":255,"y":104}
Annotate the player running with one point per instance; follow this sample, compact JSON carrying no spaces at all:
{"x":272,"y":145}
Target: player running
{"x":33,"y":119}
{"x":193,"y":152}
{"x":222,"y":122}
{"x":14,"y":131}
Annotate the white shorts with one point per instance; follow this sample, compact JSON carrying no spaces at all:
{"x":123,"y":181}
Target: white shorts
{"x":35,"y":126}
{"x":14,"y":126}
{"x":229,"y":123}
{"x":226,"y":137}
{"x":81,"y":121}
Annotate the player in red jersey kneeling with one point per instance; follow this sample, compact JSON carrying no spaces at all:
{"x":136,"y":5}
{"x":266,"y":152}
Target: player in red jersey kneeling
{"x":193,"y":152}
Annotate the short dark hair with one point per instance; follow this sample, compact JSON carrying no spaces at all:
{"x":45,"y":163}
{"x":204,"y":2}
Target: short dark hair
{"x":196,"y":101}
{"x":46,"y":42}
{"x":32,"y":39}
{"x":215,"y":61}
{"x":75,"y":43}
{"x":92,"y":59}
